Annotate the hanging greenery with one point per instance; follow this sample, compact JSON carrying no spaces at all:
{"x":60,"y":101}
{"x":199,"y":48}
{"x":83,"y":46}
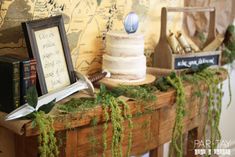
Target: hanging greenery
{"x":214,"y":104}
{"x":195,"y":75}
{"x":215,"y":95}
{"x":128,"y":116}
{"x":109,"y":102}
{"x":46,"y":139}
{"x":112,"y":106}
{"x":177,"y":134}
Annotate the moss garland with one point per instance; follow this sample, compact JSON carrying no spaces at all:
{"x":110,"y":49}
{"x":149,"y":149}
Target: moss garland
{"x":116,"y":119}
{"x":128,"y":116}
{"x":177,"y":134}
{"x":142,"y":94}
{"x":214,"y":104}
{"x":109,"y":102}
{"x":215,"y":95}
{"x":46,"y":139}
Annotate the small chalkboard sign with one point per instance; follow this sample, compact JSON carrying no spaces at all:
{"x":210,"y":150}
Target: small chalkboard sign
{"x":186,"y":62}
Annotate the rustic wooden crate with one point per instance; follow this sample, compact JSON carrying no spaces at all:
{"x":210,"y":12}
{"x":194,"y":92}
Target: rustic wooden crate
{"x":163,"y":56}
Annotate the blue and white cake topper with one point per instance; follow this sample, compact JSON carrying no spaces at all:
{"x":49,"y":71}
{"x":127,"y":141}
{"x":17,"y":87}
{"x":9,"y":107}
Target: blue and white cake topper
{"x":131,"y":22}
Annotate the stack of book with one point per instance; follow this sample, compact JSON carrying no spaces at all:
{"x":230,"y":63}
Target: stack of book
{"x":16,"y":76}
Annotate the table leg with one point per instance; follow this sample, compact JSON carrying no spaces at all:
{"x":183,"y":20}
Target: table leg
{"x":157,"y":152}
{"x":192,"y":136}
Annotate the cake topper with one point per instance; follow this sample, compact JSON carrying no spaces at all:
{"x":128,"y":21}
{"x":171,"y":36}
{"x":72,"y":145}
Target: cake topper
{"x":131,"y":22}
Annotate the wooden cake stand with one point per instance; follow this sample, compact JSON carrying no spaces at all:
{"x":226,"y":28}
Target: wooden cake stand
{"x":109,"y":82}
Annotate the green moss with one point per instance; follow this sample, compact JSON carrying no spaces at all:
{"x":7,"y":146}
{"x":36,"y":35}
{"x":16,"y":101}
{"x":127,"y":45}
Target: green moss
{"x":142,"y":94}
{"x":114,"y":105}
{"x":78,"y":105}
{"x":214,"y":95}
{"x":46,"y":138}
{"x":177,"y":134}
{"x":128,"y":116}
{"x":110,"y":102}
{"x":214,"y":104}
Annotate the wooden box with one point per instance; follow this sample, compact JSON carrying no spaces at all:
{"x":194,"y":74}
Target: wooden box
{"x":163,"y":56}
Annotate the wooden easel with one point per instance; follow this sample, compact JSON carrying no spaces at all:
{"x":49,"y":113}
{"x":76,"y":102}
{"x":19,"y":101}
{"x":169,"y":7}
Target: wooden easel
{"x":163,"y":56}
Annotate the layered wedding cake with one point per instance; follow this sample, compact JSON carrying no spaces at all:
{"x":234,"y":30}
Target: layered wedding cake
{"x":124,"y":57}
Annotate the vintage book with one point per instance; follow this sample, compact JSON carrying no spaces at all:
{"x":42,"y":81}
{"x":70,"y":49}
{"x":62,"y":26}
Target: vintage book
{"x":27,"y":77}
{"x":33,"y":72}
{"x":27,"y":74}
{"x":9,"y":84}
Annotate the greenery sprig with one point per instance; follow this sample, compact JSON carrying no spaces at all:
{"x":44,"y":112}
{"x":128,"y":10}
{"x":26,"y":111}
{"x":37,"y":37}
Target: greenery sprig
{"x":177,"y":134}
{"x":112,"y":107}
{"x":46,"y":139}
{"x":214,"y":104}
{"x":214,"y":95}
{"x":109,"y":102}
{"x":141,"y":94}
{"x":116,"y":110}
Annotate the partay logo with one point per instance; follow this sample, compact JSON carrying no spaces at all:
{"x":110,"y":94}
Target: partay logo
{"x":208,"y":147}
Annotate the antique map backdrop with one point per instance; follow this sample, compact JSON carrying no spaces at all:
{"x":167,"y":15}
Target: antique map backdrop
{"x":86,"y":23}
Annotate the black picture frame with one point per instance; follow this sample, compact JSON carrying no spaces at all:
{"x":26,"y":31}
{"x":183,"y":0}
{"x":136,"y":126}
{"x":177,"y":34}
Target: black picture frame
{"x":32,"y":30}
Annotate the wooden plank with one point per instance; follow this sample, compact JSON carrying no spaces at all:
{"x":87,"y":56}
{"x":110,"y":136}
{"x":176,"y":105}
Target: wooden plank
{"x":198,"y":54}
{"x":190,"y":9}
{"x":71,"y":143}
{"x":22,"y":145}
{"x":144,"y":137}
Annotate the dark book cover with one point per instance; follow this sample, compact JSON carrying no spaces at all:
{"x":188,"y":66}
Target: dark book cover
{"x":9,"y":84}
{"x":24,"y":80}
{"x":28,"y":76}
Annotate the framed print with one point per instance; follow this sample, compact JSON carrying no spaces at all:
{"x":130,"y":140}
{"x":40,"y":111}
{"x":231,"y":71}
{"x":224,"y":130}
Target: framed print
{"x":47,"y":42}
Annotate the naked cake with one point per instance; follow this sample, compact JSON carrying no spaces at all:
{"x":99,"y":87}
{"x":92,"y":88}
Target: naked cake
{"x":124,"y":57}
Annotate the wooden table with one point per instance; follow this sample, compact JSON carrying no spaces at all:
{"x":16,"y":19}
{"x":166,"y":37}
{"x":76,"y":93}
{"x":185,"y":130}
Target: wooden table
{"x":151,"y":129}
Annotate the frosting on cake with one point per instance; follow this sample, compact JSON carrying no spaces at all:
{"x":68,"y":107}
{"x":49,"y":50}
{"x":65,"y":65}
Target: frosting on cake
{"x":123,"y":44}
{"x":124,"y":56}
